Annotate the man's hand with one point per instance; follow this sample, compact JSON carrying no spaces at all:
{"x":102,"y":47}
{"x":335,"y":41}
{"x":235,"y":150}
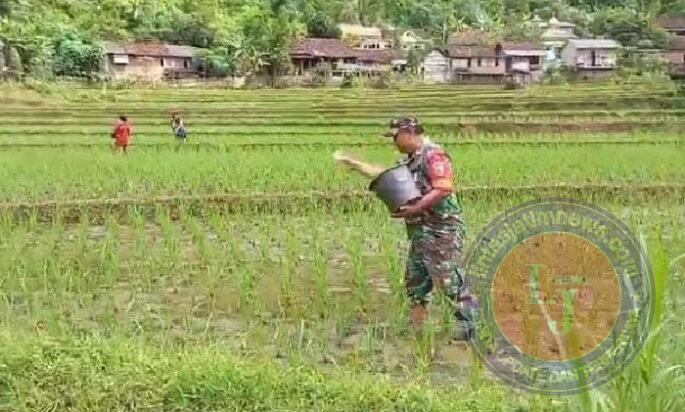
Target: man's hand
{"x":426,"y":202}
{"x":406,"y":212}
{"x":354,"y":164}
{"x":345,"y":159}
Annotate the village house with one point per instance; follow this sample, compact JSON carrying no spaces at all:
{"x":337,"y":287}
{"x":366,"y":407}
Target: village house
{"x":474,"y":58}
{"x":674,"y":55}
{"x":591,"y":57}
{"x":436,"y":67}
{"x":375,"y":62}
{"x":360,"y":37}
{"x":673,"y":24}
{"x":411,"y":40}
{"x":674,"y":51}
{"x":555,"y":35}
{"x":148,"y":60}
{"x":312,"y":55}
{"x":336,"y":59}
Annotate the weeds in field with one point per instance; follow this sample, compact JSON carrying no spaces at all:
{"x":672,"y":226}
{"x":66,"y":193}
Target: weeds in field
{"x":320,"y":276}
{"x":423,"y":347}
{"x":360,"y":279}
{"x":290,"y":260}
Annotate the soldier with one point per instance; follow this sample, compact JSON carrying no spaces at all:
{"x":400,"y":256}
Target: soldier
{"x":434,"y":225}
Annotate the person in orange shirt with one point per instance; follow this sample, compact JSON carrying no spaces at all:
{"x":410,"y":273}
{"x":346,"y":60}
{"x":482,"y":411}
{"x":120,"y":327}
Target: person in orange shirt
{"x":122,"y":134}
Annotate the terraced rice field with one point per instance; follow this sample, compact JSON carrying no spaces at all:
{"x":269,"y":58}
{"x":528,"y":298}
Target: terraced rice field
{"x":245,"y":270}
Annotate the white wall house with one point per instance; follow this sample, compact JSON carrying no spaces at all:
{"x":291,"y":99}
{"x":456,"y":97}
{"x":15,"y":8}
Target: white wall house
{"x":591,"y":54}
{"x":591,"y":58}
{"x":436,"y":67}
{"x":555,"y":36}
{"x":361,"y":37}
{"x":481,"y":64}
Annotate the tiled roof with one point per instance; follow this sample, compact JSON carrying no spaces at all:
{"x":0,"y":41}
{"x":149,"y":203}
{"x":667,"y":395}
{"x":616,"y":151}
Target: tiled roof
{"x":523,"y":49}
{"x":594,"y":43}
{"x":513,"y":45}
{"x":671,"y":22}
{"x":146,"y":48}
{"x":508,"y":49}
{"x":550,"y":34}
{"x":553,"y":22}
{"x":333,"y":48}
{"x":470,"y":51}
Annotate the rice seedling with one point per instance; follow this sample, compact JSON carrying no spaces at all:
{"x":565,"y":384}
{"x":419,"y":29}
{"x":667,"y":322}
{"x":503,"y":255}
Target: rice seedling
{"x":319,"y":271}
{"x":289,"y":262}
{"x":360,"y":280}
{"x":249,"y":242}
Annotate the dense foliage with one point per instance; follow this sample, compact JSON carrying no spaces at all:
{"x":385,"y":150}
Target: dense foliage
{"x":59,"y":36}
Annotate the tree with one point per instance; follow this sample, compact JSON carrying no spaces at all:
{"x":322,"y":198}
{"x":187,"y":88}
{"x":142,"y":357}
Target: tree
{"x":415,"y":59}
{"x":6,"y":7}
{"x":627,"y":26}
{"x":322,"y":26}
{"x":673,"y":7}
{"x":76,"y":56}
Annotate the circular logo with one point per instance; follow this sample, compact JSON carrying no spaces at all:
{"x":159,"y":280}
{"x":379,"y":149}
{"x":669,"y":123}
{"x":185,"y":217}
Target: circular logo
{"x":565,"y":293}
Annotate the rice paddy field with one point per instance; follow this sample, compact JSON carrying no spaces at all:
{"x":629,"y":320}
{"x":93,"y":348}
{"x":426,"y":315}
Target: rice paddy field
{"x":244,"y":270}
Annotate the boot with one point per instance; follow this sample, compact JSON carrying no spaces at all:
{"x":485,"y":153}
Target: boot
{"x":419,"y":313}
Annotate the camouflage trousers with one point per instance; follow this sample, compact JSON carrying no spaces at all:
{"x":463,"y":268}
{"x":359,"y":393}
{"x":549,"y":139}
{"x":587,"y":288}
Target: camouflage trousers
{"x":434,"y":262}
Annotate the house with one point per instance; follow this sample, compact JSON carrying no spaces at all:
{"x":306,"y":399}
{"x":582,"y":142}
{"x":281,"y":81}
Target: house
{"x":360,"y":37}
{"x":374,"y":62}
{"x":411,"y":40}
{"x":554,"y":37}
{"x":485,"y":62}
{"x":675,"y":25}
{"x":337,"y":59}
{"x":312,"y":54}
{"x":436,"y":67}
{"x":525,"y":59}
{"x":388,"y":32}
{"x":148,"y":60}
{"x":674,"y":55}
{"x":476,"y":64}
{"x":591,"y":57}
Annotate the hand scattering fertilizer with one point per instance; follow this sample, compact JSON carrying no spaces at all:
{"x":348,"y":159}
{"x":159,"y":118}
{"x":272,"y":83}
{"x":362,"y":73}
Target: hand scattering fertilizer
{"x":395,"y":187}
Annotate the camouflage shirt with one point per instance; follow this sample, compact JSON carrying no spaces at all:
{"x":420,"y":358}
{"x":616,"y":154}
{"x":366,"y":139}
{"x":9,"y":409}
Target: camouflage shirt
{"x":431,"y":167}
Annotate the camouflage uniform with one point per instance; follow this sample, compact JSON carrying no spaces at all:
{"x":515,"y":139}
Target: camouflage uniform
{"x":437,"y":236}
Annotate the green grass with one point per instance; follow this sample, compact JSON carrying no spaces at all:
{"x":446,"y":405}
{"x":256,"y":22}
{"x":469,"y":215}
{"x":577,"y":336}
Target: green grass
{"x":117,"y":374}
{"x":294,"y":299}
{"x":66,"y":173}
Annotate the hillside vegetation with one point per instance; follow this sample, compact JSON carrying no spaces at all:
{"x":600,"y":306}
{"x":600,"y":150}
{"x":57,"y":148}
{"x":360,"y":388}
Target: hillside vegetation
{"x":62,"y":37}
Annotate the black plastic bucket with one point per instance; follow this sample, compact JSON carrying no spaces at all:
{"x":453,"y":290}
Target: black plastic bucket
{"x":395,"y":187}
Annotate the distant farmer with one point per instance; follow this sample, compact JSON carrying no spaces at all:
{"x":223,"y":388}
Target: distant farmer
{"x":178,"y":127}
{"x":434,"y":224}
{"x":122,"y":134}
